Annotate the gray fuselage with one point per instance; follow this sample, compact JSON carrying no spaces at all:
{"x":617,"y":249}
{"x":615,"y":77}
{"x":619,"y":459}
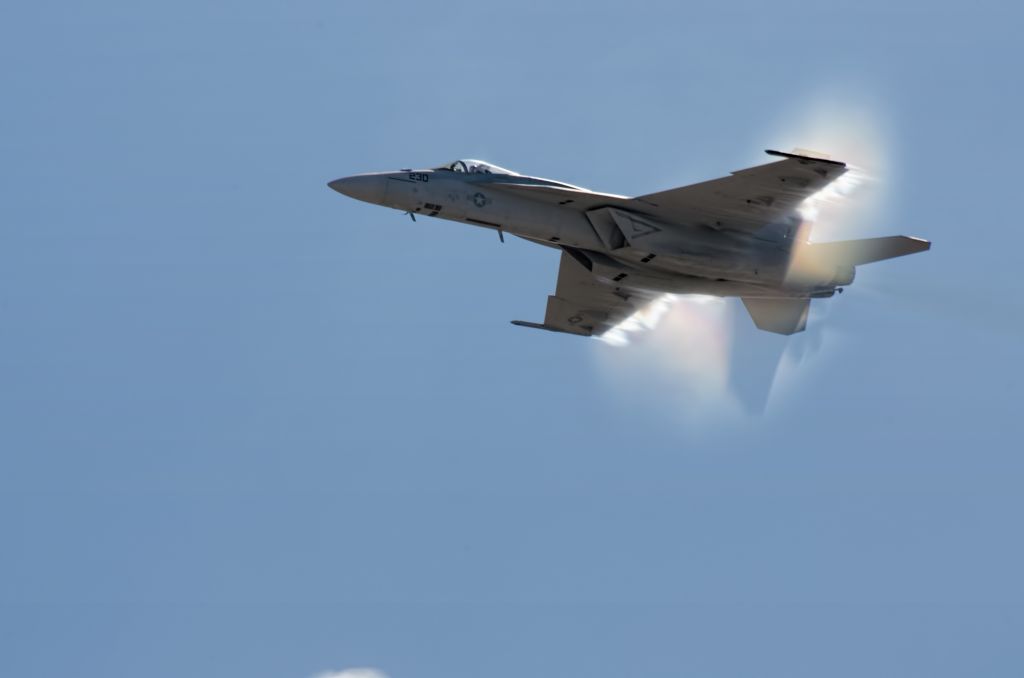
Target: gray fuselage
{"x":613,"y":231}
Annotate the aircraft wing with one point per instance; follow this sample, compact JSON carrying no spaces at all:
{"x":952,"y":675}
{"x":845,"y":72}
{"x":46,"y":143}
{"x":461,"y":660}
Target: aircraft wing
{"x":748,"y":199}
{"x":584,"y":305}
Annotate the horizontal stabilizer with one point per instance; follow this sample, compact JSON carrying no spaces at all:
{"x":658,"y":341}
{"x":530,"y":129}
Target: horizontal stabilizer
{"x":858,"y":252}
{"x":782,"y":316}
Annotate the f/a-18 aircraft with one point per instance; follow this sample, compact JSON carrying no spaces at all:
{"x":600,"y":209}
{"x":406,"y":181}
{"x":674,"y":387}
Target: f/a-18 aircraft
{"x":738,"y":236}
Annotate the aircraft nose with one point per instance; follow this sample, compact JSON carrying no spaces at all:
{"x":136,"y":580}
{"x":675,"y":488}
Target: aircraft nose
{"x":365,"y":187}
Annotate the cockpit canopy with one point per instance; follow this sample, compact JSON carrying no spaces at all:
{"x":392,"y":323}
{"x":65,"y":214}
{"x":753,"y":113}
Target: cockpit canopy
{"x":471,"y":166}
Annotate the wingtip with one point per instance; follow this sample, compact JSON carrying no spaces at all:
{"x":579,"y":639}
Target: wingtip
{"x":808,"y":158}
{"x":549,"y":328}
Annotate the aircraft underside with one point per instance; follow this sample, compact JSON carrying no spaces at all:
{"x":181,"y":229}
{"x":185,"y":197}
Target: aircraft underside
{"x":737,"y":236}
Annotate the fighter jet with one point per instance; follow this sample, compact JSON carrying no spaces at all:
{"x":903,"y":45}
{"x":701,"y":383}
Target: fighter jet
{"x":738,"y":236}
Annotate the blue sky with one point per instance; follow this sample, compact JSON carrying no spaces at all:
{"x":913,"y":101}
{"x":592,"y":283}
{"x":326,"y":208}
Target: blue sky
{"x":251,"y":428}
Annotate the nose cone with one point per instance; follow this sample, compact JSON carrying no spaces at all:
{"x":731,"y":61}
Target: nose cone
{"x":365,"y":187}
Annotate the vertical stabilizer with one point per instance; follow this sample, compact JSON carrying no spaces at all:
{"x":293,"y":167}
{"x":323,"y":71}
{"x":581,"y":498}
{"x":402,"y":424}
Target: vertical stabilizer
{"x":781,"y":316}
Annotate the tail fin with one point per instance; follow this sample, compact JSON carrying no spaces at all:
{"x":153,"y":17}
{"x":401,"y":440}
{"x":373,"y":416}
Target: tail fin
{"x":858,"y":252}
{"x":781,"y":316}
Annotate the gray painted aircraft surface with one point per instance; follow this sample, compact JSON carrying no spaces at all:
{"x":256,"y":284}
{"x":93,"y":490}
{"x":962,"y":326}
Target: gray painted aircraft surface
{"x":737,"y":236}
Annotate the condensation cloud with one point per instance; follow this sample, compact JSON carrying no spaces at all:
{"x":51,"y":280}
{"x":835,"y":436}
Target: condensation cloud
{"x":698,"y":359}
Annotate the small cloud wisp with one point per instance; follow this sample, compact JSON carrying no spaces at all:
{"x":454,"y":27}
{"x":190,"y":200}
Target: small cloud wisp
{"x":356,"y":672}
